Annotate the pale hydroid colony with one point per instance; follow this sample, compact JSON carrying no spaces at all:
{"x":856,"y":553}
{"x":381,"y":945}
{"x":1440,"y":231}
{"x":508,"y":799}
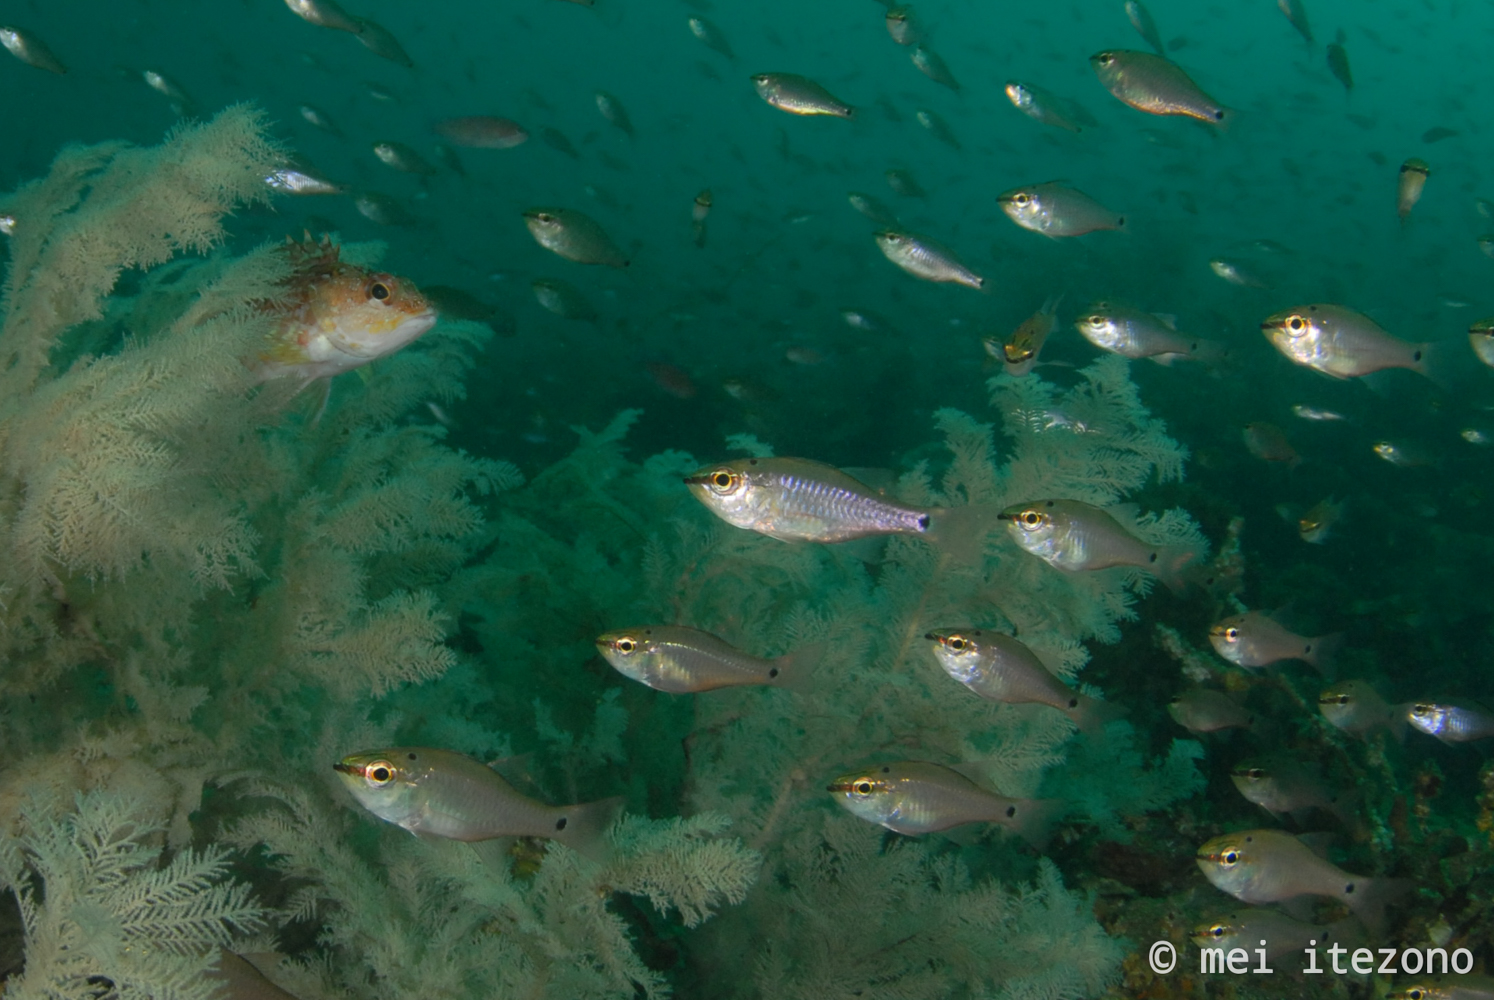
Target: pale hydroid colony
{"x":204,"y":589}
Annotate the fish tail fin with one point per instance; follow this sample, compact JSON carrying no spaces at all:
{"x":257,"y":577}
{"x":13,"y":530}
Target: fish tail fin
{"x":1322,"y":651}
{"x":1227,"y":117}
{"x":1448,"y":368}
{"x":1033,"y":819}
{"x":960,"y":532}
{"x":1368,"y":897}
{"x":1091,"y":714}
{"x":586,"y":825}
{"x":795,"y":671}
{"x":1179,"y":567}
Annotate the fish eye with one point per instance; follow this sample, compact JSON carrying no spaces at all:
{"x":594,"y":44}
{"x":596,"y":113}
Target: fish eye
{"x":1105,"y":59}
{"x":1031,"y":518}
{"x":380,"y":772}
{"x":1229,"y":858}
{"x":956,"y":642}
{"x":625,"y":644}
{"x":1256,"y":773}
{"x":1218,"y":931}
{"x":545,"y":217}
{"x":1021,"y":198}
{"x":1232,"y":633}
{"x":379,"y":290}
{"x":723,"y":481}
{"x":862,"y":787}
{"x":1296,"y":324}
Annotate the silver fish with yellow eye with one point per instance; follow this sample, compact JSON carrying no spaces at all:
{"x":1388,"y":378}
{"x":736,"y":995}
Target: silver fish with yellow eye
{"x":1048,"y":108}
{"x":1003,"y":669}
{"x":1134,"y":333}
{"x":926,"y":259}
{"x":1356,"y":707}
{"x":1057,"y":211}
{"x":1449,"y":988}
{"x":1271,"y":866}
{"x":448,"y":794}
{"x":1156,"y":86}
{"x":798,"y":500}
{"x":1075,"y":536}
{"x":1409,"y":184}
{"x":1340,"y":342}
{"x":915,"y":797}
{"x":1452,"y":721}
{"x":1019,"y":353}
{"x":1481,"y":338}
{"x":1255,"y":639}
{"x":682,"y":660}
{"x":573,"y":235}
{"x":799,"y":95}
{"x":1275,"y":933}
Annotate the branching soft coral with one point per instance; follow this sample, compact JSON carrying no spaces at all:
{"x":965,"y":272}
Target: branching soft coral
{"x":98,"y":905}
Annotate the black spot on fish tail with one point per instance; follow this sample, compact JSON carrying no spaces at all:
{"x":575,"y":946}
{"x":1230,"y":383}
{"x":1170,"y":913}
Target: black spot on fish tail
{"x":773,"y":672}
{"x":1011,"y":811}
{"x":923,"y":522}
{"x":560,"y":824}
{"x":1152,"y":557}
{"x":1073,"y":702}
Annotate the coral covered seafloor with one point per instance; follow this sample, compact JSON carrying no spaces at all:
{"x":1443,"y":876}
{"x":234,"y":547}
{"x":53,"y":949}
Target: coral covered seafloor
{"x":208,"y":595}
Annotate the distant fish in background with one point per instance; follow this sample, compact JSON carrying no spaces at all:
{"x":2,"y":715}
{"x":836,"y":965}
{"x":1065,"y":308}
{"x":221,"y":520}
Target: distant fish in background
{"x":612,"y":109}
{"x":1156,"y":86}
{"x":564,"y":300}
{"x":7,"y":224}
{"x":1321,"y":522}
{"x":904,"y":183}
{"x":1304,"y":412}
{"x":1438,"y":133}
{"x":1481,"y":338}
{"x":1297,"y":14}
{"x":710,"y":36}
{"x":902,"y":25}
{"x":672,"y":379}
{"x":1048,"y":108}
{"x":1485,"y":244}
{"x":300,"y":178}
{"x":181,"y":102}
{"x":937,"y":127}
{"x":683,"y":660}
{"x":1255,"y":639}
{"x":1204,"y":710}
{"x":1410,"y":182}
{"x":1285,"y":786}
{"x":1338,"y":62}
{"x":699,"y":210}
{"x":481,"y":132}
{"x":873,"y":208}
{"x":1141,"y":20}
{"x":318,"y":118}
{"x":556,"y":140}
{"x":383,"y":210}
{"x":30,"y":49}
{"x":799,"y":95}
{"x":1405,"y":454}
{"x":574,"y":235}
{"x":932,"y":66}
{"x":1237,"y":272}
{"x":325,"y":14}
{"x":1269,"y":443}
{"x":1019,"y":352}
{"x":401,"y":157}
{"x":381,"y":42}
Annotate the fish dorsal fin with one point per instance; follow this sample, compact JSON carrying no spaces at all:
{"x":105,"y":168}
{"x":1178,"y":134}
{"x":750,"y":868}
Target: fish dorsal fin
{"x":1168,"y":320}
{"x":880,"y":480}
{"x":1124,"y":513}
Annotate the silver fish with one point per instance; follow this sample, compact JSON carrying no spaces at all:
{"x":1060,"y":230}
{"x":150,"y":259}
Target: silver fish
{"x":902,"y":25}
{"x":1132,"y":333}
{"x":1275,"y":933}
{"x":1075,"y":536}
{"x":574,"y":235}
{"x":1270,"y":866}
{"x":1141,"y":20}
{"x":1356,"y":707}
{"x":1255,"y":639}
{"x":324,"y":14}
{"x":873,"y":208}
{"x":1156,"y":86}
{"x":1340,"y":342}
{"x":301,"y":179}
{"x":403,"y":158}
{"x":710,"y":36}
{"x":450,"y":795}
{"x":937,"y":127}
{"x":1297,"y":14}
{"x":1452,"y":721}
{"x":1305,"y":412}
{"x":1056,"y":210}
{"x":904,"y":183}
{"x":319,"y":118}
{"x":30,"y":50}
{"x":932,"y":66}
{"x":1409,"y":184}
{"x":1237,"y":272}
{"x":684,"y":660}
{"x":612,"y":109}
{"x":1203,"y":710}
{"x":381,"y":42}
{"x":564,"y":300}
{"x":1481,"y":339}
{"x":926,"y":259}
{"x":799,"y":95}
{"x":1283,"y":785}
{"x":1003,"y":669}
{"x":7,"y":224}
{"x":1048,"y":108}
{"x":914,"y":797}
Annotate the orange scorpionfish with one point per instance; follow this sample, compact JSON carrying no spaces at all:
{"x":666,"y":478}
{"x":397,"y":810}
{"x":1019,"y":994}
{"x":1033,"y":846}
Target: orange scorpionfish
{"x":336,"y":316}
